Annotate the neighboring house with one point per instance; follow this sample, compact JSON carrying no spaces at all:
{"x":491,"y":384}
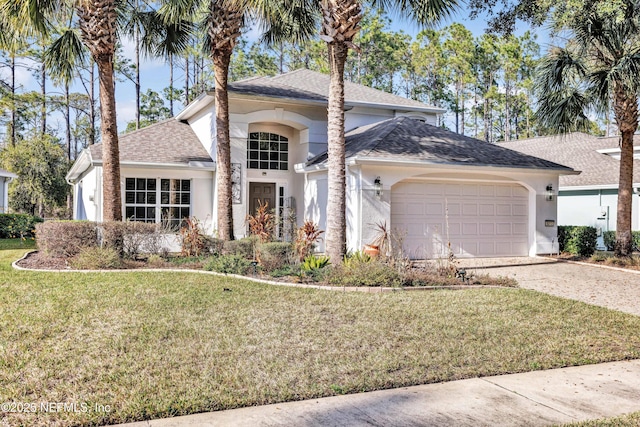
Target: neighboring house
{"x":430,"y":185}
{"x":590,"y":198}
{"x":5,"y":178}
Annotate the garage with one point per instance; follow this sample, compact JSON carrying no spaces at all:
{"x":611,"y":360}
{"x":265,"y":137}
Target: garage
{"x":479,"y":219}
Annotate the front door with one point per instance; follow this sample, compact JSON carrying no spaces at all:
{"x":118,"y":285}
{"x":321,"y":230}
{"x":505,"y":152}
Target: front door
{"x":261,"y":192}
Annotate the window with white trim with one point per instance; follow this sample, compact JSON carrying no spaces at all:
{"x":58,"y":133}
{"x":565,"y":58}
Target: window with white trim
{"x":158,"y":199}
{"x":268,"y":151}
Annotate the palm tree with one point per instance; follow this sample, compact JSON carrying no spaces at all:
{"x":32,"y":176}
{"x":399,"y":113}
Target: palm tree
{"x":598,"y":68}
{"x":340,"y":20}
{"x":223,"y":21}
{"x":97,"y":22}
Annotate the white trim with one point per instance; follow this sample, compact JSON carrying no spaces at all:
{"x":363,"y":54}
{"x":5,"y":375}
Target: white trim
{"x":593,"y":187}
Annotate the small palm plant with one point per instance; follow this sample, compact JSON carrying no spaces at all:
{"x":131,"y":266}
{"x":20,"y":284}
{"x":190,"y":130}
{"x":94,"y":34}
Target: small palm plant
{"x":263,"y":223}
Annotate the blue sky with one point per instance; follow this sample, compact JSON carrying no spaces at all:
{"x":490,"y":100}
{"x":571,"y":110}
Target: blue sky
{"x":155,"y":73}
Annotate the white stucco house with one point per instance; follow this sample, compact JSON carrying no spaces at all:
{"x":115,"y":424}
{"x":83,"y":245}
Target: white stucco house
{"x":5,"y":178}
{"x":430,"y":185}
{"x":590,"y":198}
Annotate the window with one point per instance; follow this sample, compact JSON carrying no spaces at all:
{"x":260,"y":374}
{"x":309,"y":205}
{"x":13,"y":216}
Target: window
{"x":146,"y":201}
{"x":267,"y":151}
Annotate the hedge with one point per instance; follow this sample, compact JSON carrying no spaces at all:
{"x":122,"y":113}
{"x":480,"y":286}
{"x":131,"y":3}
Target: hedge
{"x":14,"y":226}
{"x":65,"y":239}
{"x":577,"y":239}
{"x":609,"y":238}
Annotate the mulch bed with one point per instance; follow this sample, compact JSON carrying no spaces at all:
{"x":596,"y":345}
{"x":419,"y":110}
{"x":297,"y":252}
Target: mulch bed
{"x":39,"y":261}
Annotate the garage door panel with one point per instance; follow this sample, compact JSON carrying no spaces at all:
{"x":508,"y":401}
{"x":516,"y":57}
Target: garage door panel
{"x":520,"y":209}
{"x":503,"y":209}
{"x":470,"y":229}
{"x":434,"y":208}
{"x":486,"y":209}
{"x":478,"y":224}
{"x":470,"y":209}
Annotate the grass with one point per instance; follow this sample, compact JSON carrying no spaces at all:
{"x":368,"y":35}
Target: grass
{"x":17,"y":244}
{"x":154,"y":345}
{"x":629,"y":420}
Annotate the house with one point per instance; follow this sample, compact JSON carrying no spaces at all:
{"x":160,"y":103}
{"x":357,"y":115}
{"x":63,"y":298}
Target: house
{"x":590,"y":198}
{"x":5,"y":178}
{"x":429,"y":185}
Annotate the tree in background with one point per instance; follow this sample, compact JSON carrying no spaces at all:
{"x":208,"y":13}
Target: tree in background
{"x":598,"y":67}
{"x":152,"y":110}
{"x":41,"y":166}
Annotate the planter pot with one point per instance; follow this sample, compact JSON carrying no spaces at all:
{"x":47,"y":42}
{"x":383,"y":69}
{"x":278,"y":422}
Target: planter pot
{"x":371,"y":250}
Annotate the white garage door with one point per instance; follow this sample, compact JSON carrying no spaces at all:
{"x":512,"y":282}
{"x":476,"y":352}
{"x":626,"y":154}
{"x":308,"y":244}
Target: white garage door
{"x":478,"y":219}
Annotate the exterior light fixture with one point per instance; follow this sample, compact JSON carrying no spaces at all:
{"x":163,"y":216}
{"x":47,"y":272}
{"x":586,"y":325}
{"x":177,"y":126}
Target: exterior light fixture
{"x":377,"y":185}
{"x":549,"y":194}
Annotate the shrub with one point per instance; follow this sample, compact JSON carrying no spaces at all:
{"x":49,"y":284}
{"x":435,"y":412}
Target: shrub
{"x":65,"y":239}
{"x":131,"y":238}
{"x":263,"y":223}
{"x":14,"y":226}
{"x":229,"y":264}
{"x":373,"y":273}
{"x":313,"y":262}
{"x":243,"y":247}
{"x":274,"y":255}
{"x":577,"y":240}
{"x":192,"y":237}
{"x":213,"y":245}
{"x":306,"y":238}
{"x":96,"y":258}
{"x":287,"y":270}
{"x":609,"y":239}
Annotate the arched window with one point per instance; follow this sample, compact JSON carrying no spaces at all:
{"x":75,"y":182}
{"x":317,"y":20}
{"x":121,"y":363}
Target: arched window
{"x":267,"y":151}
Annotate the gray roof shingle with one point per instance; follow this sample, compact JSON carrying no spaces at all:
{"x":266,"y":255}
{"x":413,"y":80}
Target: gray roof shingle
{"x":168,"y":141}
{"x":578,"y":150}
{"x":314,"y":86}
{"x":406,"y":139}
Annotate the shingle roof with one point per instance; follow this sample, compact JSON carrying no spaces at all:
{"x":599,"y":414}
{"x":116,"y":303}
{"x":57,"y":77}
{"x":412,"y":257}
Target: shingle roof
{"x":314,"y":86}
{"x":169,"y":141}
{"x":406,"y":139}
{"x":578,"y":150}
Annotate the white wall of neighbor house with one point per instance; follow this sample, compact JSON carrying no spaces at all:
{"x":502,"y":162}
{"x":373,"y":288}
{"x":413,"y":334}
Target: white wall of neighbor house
{"x":594,"y":207}
{"x":4,"y":194}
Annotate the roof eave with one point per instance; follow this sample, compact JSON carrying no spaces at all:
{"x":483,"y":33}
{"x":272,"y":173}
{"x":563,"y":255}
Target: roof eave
{"x":198,"y":165}
{"x":82,"y":163}
{"x":408,"y":163}
{"x":195,"y":106}
{"x":407,"y":108}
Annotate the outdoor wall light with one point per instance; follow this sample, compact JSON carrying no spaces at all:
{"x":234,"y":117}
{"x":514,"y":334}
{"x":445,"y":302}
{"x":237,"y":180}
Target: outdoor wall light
{"x":549,"y":195}
{"x":377,"y":185}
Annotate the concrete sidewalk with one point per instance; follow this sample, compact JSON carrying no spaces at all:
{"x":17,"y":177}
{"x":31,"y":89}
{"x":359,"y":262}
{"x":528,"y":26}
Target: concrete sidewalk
{"x":530,"y":399}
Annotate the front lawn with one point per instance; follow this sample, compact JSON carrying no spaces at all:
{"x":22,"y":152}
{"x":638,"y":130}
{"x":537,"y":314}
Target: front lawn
{"x":143,"y":345}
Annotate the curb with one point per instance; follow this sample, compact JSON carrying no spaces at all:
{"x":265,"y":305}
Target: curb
{"x":588,"y":264}
{"x":366,"y":289}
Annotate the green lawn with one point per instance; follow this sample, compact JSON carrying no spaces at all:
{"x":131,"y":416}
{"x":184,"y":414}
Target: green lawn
{"x":629,"y":420}
{"x":153,"y":345}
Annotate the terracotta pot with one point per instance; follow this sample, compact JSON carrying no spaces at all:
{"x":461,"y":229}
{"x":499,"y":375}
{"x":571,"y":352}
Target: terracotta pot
{"x":371,"y":250}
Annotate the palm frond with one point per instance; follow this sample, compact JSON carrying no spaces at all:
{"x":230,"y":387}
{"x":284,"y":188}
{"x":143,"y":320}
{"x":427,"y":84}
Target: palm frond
{"x":288,"y":20}
{"x":424,"y":12}
{"x":65,"y":55}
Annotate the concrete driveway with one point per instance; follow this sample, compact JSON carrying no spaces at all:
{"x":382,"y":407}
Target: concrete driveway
{"x":606,"y":287}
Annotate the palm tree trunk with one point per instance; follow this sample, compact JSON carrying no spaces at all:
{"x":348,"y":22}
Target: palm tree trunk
{"x":92,"y":104}
{"x":137,"y":84}
{"x":13,"y":98}
{"x":112,"y":201}
{"x":336,"y":202}
{"x":43,"y":107}
{"x":171,"y":84}
{"x":626,"y":111}
{"x":223,"y":147}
